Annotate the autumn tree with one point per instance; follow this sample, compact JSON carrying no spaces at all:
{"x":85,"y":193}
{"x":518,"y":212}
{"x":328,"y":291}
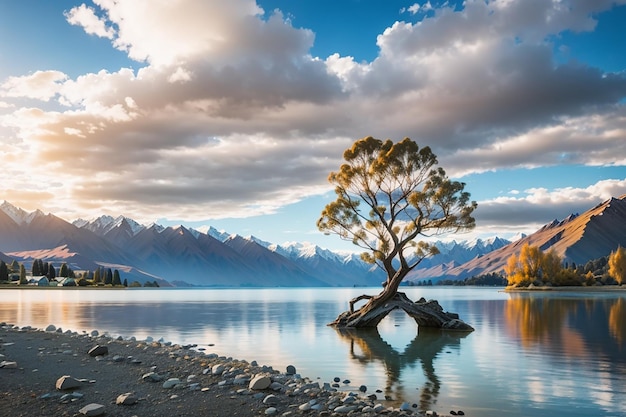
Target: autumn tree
{"x":389,"y":195}
{"x":617,"y":265}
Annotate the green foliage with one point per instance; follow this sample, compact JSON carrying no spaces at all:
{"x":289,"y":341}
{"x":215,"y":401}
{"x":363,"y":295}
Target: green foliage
{"x":108,"y":277}
{"x":487,"y":280}
{"x":390,"y":194}
{"x":52,"y":273}
{"x":116,"y":278}
{"x":36,"y":269}
{"x":4,"y":271}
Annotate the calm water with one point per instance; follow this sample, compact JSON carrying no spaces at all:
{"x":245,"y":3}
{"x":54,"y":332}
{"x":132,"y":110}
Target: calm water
{"x":531,"y":354}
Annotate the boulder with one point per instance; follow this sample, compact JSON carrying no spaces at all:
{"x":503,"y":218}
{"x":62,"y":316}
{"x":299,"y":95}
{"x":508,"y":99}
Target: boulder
{"x":67,"y":382}
{"x":171,"y":383}
{"x":98,"y":351}
{"x":260,"y":382}
{"x":126,"y":399}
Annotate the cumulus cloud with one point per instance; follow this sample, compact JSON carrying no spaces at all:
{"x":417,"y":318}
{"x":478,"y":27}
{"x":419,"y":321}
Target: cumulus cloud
{"x":86,"y":18}
{"x":41,"y":85}
{"x":230,"y":113}
{"x":536,"y":207}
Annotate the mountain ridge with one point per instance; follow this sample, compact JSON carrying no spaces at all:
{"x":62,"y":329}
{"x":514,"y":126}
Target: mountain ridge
{"x":186,"y":256}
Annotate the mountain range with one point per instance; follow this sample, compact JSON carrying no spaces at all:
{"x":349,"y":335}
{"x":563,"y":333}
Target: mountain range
{"x":179,"y":256}
{"x":578,"y":238}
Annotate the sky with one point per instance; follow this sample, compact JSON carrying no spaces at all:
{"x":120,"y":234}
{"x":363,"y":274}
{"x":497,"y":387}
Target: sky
{"x":232,"y":113}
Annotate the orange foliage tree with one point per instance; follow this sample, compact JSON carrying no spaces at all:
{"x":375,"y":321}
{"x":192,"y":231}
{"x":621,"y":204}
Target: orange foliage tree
{"x":617,"y":265}
{"x":532,"y":264}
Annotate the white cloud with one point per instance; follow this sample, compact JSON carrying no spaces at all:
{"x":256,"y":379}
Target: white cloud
{"x":535,"y":207}
{"x":86,"y":18}
{"x":231,"y":115}
{"x":41,"y":85}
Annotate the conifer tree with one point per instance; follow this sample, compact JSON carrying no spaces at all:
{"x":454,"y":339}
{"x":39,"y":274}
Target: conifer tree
{"x":35,"y":270}
{"x":116,"y":278}
{"x":63,"y":271}
{"x":4,"y":271}
{"x":108,"y":277}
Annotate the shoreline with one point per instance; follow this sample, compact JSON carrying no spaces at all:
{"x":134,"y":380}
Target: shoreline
{"x":162,"y":379}
{"x":603,"y":288}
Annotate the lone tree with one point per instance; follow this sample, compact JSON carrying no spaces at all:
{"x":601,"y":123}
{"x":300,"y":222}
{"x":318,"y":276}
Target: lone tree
{"x":388,"y":195}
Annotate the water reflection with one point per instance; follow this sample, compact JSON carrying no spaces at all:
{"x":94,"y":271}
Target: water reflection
{"x":368,"y":347}
{"x":571,"y":326}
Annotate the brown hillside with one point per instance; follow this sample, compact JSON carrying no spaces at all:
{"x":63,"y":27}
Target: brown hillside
{"x":591,"y":235}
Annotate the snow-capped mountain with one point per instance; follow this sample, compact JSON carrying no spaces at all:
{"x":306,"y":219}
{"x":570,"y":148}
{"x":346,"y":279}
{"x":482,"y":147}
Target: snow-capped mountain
{"x":185,"y":256}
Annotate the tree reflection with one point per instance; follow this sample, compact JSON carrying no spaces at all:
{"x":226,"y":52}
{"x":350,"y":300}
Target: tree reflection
{"x":367,"y":346}
{"x":569,"y":326}
{"x":617,"y":321}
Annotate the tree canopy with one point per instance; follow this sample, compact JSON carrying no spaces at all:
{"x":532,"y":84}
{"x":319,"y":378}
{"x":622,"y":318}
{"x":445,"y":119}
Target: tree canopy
{"x":388,"y":196}
{"x":617,"y":265}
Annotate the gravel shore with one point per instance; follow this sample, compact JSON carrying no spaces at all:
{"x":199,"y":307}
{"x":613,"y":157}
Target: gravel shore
{"x":119,"y":377}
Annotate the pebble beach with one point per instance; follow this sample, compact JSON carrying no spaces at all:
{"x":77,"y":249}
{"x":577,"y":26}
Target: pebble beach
{"x":51,"y":372}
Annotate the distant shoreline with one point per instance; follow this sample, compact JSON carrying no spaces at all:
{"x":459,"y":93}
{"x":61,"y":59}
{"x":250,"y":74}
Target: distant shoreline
{"x":603,"y":288}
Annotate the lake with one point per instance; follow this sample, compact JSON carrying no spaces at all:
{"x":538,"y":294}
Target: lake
{"x":532,"y":354}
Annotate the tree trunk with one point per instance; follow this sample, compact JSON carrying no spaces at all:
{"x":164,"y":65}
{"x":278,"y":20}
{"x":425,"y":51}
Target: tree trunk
{"x":425,"y":313}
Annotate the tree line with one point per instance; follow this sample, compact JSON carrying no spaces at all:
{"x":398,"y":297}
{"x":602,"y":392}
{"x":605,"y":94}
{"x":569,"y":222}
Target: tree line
{"x":533,"y":266}
{"x":101,"y":276}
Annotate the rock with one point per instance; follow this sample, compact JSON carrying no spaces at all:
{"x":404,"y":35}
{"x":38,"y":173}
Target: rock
{"x":126,"y":399}
{"x":305,"y":407}
{"x":92,"y":409}
{"x":345,"y":409}
{"x":217,"y":369}
{"x":152,"y":377}
{"x":171,"y":383}
{"x":260,"y":382}
{"x":270,"y":400}
{"x":98,"y":350}
{"x":276,"y":386}
{"x":379,"y":408}
{"x":348,"y":399}
{"x":67,"y":382}
{"x":51,"y":328}
{"x":8,"y":365}
{"x":291,"y":370}
{"x":363,"y":388}
{"x":405,"y":406}
{"x":270,"y":411}
{"x":94,"y":333}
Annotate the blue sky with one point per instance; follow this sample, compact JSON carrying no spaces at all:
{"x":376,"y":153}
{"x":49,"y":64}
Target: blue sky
{"x":232,"y":113}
